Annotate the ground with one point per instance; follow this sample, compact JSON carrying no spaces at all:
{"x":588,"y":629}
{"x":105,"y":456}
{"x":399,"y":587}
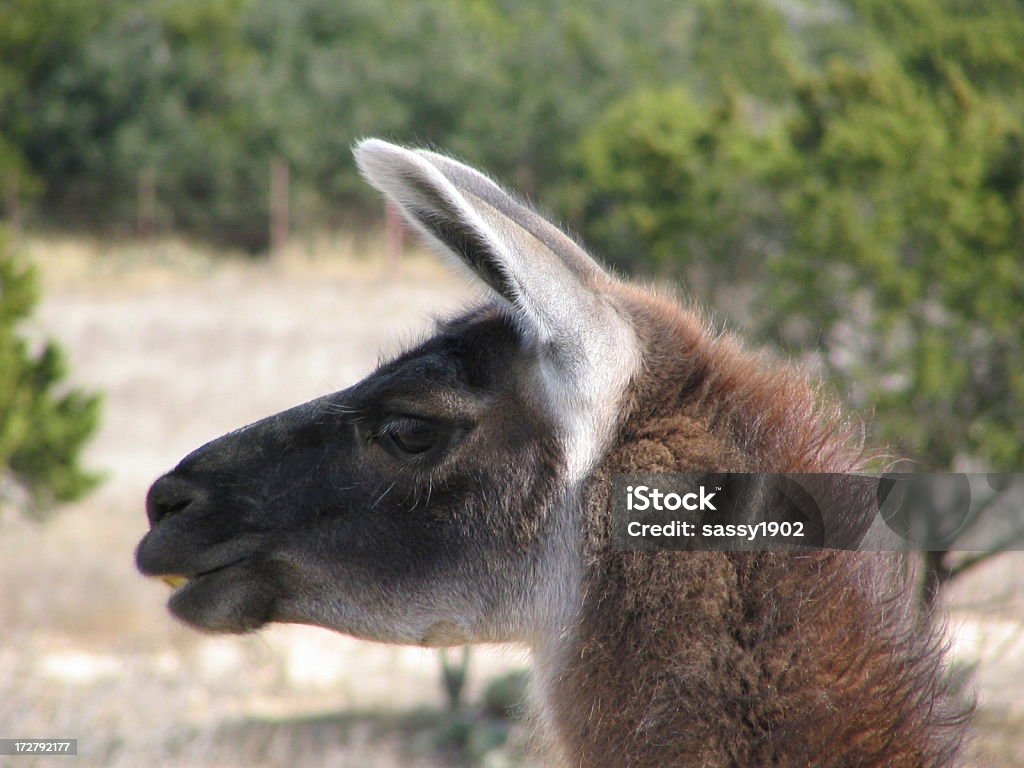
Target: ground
{"x":185,"y":347}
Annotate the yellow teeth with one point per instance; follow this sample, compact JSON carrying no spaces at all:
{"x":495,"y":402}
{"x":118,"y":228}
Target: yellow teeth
{"x":174,"y":581}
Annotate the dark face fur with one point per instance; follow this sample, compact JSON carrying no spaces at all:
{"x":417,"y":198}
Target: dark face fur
{"x":401,"y":485}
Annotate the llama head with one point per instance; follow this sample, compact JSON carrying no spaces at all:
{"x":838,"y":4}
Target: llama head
{"x":432,"y":502}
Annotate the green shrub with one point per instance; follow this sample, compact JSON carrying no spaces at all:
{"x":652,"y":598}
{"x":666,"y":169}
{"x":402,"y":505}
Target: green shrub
{"x":43,"y":423}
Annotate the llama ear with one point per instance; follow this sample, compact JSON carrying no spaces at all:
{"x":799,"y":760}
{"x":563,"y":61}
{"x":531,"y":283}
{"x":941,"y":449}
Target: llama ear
{"x":559,"y":296}
{"x":552,"y":284}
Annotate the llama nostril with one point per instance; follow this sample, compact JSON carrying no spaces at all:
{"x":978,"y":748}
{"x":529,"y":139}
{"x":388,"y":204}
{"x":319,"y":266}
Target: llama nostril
{"x":168,"y":496}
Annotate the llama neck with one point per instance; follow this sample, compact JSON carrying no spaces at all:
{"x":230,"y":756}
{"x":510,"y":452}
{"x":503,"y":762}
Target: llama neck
{"x":721,"y":659}
{"x":712,"y":660}
{"x":718,"y":659}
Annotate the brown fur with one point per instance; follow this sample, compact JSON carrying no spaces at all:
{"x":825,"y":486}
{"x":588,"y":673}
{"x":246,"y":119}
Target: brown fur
{"x":719,"y":659}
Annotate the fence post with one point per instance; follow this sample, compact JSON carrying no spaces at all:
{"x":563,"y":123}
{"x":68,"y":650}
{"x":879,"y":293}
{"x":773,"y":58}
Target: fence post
{"x":12,"y":202}
{"x":453,"y":676}
{"x":145,"y":205}
{"x":279,"y":214}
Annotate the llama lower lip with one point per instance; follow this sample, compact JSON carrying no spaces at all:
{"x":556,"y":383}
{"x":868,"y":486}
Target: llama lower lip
{"x":178,"y":581}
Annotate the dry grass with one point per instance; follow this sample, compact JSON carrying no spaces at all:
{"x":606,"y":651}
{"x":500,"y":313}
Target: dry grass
{"x":185,"y":347}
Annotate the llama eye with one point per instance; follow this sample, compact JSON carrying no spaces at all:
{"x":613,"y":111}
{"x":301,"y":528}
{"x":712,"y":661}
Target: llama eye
{"x":410,"y":436}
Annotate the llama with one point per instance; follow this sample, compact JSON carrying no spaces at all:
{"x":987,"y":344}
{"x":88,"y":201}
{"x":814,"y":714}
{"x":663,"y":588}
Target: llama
{"x":461,"y":494}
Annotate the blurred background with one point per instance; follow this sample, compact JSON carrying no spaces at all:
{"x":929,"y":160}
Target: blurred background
{"x":186,"y":247}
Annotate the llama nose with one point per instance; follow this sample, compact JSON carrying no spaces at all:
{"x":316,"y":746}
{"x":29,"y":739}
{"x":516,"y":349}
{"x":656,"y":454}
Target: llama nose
{"x":168,"y":496}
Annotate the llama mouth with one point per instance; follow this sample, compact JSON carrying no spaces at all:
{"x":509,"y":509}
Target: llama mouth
{"x":233,"y":598}
{"x":178,"y":581}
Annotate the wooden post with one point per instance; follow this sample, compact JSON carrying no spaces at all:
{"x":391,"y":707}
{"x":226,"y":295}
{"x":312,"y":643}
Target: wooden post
{"x":279,"y":215}
{"x":12,"y":202}
{"x":395,"y":235}
{"x":453,"y":676}
{"x":526,"y":180}
{"x":145,"y":208}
